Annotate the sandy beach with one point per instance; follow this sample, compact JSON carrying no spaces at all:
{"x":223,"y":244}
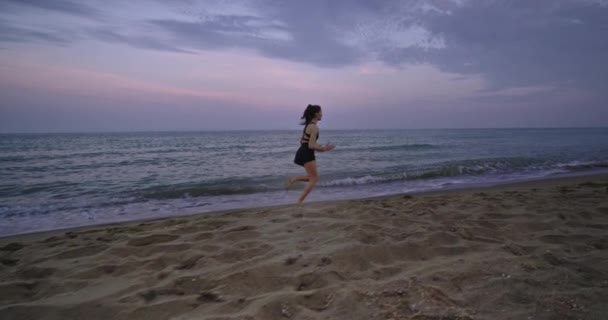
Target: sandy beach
{"x":533,"y":250}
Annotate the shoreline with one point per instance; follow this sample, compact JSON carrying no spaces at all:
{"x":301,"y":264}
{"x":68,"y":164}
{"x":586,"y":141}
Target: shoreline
{"x":535,"y":249}
{"x":529,"y":182}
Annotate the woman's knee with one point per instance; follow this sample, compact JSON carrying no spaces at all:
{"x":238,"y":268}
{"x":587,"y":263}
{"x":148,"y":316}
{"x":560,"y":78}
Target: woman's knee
{"x":313,"y":178}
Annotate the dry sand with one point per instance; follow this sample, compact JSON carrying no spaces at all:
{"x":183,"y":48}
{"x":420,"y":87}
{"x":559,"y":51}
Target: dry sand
{"x":536,"y":250}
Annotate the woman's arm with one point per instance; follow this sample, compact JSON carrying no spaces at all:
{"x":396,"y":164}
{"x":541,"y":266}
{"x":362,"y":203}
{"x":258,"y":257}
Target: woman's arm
{"x":312,"y":142}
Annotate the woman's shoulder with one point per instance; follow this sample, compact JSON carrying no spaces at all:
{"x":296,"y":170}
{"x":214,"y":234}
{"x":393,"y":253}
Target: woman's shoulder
{"x":312,"y":126}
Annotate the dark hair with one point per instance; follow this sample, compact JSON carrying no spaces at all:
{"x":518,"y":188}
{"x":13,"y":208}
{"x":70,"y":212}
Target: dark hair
{"x":309,"y":113}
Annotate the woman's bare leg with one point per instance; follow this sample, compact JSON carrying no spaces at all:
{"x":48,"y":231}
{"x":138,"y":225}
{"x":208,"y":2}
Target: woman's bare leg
{"x":291,"y":180}
{"x":311,"y":170}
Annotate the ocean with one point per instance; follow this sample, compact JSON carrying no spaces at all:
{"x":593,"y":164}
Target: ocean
{"x":53,"y":181}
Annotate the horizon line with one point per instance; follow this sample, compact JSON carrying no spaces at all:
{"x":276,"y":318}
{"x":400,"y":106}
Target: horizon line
{"x":274,"y":130}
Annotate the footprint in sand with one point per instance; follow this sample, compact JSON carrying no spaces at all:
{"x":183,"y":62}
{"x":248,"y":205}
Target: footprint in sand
{"x":240,"y":233}
{"x":487,"y":224}
{"x":235,"y":255}
{"x":317,"y":280}
{"x":563,"y":239}
{"x":316,"y":301}
{"x":442,"y":238}
{"x":189,"y":263}
{"x":152,"y":239}
{"x":12,"y":247}
{"x":53,"y":241}
{"x":17,"y":292}
{"x":108,"y":269}
{"x":492,"y":215}
{"x":81,"y":252}
{"x":241,"y":228}
{"x":553,"y":260}
{"x":193,"y":285}
{"x":164,"y":310}
{"x":208,"y":225}
{"x":152,"y":294}
{"x":514,"y":249}
{"x":203,"y":236}
{"x":369,"y":238}
{"x":9,"y":262}
{"x":36,"y":272}
{"x":147,"y":251}
{"x":309,"y":281}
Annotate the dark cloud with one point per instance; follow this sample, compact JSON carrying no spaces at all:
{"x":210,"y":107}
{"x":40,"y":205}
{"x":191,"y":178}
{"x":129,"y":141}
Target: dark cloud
{"x":510,"y":43}
{"x":291,"y":41}
{"x":64,"y":6}
{"x":21,"y":31}
{"x":20,"y":35}
{"x":515,"y":43}
{"x":520,"y":43}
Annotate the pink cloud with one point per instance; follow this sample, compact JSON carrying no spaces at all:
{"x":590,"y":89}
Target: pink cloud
{"x":236,"y":77}
{"x":96,"y":83}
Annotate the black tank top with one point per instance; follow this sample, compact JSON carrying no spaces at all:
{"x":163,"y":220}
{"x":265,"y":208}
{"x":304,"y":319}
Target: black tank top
{"x":305,"y":136}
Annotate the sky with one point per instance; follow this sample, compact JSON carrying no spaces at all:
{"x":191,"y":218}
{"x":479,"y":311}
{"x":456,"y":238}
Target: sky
{"x":158,"y":65}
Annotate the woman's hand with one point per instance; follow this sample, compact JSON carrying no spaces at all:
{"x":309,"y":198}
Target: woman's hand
{"x":328,"y":147}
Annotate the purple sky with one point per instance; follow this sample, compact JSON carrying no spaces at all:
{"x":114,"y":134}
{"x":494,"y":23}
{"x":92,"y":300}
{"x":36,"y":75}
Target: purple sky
{"x":116,"y":65}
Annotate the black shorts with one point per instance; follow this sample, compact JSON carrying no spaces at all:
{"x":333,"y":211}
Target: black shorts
{"x":304,"y":154}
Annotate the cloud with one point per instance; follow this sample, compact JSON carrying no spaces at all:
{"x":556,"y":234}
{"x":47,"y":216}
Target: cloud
{"x":137,"y":41}
{"x":511,"y":44}
{"x":277,"y":42}
{"x":20,"y":35}
{"x":63,"y":6}
{"x":519,"y":43}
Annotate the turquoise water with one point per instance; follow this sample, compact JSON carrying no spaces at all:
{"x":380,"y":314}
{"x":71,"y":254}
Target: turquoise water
{"x":50,"y":181}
